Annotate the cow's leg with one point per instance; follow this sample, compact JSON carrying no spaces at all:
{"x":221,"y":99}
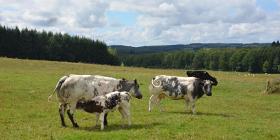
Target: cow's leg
{"x":123,"y":115}
{"x":97,"y":118}
{"x":193,"y":108}
{"x":61,"y":111}
{"x":154,"y":100}
{"x":70,"y":113}
{"x":127,"y":112}
{"x":101,"y":118}
{"x":192,"y":101}
{"x":150,"y":103}
{"x":158,"y":104}
{"x":105,"y":120}
{"x":187,"y":102}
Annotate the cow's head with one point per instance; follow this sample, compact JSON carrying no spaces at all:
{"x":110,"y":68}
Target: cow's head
{"x":130,"y":86}
{"x":207,"y":87}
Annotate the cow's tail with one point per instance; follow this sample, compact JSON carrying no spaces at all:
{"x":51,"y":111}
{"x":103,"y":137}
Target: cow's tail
{"x":57,"y":87}
{"x":154,"y":82}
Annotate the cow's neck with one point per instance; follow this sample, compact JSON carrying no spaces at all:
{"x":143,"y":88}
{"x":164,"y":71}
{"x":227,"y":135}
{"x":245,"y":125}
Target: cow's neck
{"x":125,"y":87}
{"x":198,"y":91}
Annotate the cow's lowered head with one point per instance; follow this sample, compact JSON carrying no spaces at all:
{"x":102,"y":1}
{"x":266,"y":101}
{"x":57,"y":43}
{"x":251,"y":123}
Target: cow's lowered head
{"x":206,"y":86}
{"x":130,"y":86}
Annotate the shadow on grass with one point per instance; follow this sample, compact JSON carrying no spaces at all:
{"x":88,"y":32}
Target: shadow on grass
{"x":117,"y":127}
{"x":203,"y":114}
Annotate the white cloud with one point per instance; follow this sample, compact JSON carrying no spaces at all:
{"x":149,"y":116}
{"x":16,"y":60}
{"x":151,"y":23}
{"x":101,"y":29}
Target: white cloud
{"x":157,"y":21}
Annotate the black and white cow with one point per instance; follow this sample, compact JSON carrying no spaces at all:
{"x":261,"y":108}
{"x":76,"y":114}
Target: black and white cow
{"x":74,"y":88}
{"x":188,"y":88}
{"x":103,"y":104}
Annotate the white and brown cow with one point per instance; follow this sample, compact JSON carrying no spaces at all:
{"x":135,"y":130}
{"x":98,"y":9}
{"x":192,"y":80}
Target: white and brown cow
{"x":103,"y":104}
{"x":188,"y":88}
{"x":74,"y":88}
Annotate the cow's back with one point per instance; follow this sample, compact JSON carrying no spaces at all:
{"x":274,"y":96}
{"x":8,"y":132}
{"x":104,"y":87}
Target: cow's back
{"x":85,"y":87}
{"x":172,"y":89}
{"x":76,"y":87}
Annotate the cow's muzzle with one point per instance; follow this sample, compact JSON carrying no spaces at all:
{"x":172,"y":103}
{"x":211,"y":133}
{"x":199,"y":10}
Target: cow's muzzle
{"x":209,"y":94}
{"x":139,"y":96}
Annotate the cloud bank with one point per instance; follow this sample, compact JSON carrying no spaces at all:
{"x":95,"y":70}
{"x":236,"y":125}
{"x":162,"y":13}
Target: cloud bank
{"x":154,"y":22}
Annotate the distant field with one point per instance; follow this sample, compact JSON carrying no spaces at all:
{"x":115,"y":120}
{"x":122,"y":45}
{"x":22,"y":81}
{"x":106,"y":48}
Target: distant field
{"x":237,"y":109}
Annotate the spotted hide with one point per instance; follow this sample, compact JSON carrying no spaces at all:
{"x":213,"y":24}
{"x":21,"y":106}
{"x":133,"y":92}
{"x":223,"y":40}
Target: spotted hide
{"x":188,"y":88}
{"x":105,"y":103}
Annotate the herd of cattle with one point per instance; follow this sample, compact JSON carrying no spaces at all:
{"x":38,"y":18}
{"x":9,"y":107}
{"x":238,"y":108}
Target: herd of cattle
{"x":100,"y":94}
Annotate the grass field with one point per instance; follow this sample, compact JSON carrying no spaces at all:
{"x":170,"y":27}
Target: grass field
{"x":237,"y":109}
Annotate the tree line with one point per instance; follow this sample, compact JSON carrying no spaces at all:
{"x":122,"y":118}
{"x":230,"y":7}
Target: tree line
{"x":254,"y":60}
{"x":31,"y":44}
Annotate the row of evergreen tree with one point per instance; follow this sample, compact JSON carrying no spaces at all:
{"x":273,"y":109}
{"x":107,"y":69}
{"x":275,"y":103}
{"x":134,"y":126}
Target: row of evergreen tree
{"x":31,"y":44}
{"x":255,"y":60}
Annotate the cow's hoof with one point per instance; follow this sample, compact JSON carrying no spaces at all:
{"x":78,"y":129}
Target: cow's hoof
{"x":64,"y":126}
{"x":76,"y":125}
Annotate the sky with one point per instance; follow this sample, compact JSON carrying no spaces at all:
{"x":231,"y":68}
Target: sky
{"x":150,"y":22}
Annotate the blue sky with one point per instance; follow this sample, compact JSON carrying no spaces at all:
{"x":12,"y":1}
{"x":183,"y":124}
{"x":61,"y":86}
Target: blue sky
{"x":124,"y":18}
{"x":268,"y":5}
{"x":146,"y":22}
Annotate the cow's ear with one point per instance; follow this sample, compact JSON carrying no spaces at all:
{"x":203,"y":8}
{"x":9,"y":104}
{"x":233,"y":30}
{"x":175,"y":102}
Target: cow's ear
{"x":135,"y":81}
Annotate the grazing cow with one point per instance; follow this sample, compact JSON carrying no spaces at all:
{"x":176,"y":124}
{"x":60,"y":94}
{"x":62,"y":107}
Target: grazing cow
{"x":272,"y":86}
{"x":188,"y":88}
{"x":204,"y":75}
{"x":102,"y":104}
{"x":73,"y":88}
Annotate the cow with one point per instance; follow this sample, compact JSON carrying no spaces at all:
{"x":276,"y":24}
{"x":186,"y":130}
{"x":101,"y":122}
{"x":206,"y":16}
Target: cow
{"x":272,"y":86}
{"x":74,"y":88}
{"x":103,"y":104}
{"x":204,"y":75}
{"x":188,"y":88}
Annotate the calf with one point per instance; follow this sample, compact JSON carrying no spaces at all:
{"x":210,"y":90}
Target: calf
{"x":103,"y":104}
{"x":188,"y":88}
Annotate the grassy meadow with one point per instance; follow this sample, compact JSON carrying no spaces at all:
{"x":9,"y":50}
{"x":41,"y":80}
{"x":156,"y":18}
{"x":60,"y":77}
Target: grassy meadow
{"x":237,"y":109}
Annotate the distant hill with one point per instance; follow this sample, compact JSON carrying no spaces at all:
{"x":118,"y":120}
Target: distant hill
{"x":122,"y":50}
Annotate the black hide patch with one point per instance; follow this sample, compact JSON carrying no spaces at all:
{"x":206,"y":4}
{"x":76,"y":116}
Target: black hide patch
{"x":173,"y":86}
{"x":90,"y":106}
{"x":204,"y":75}
{"x":198,"y":89}
{"x":112,"y":101}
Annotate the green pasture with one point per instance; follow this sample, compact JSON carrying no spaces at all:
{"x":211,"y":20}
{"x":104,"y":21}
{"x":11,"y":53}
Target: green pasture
{"x":237,"y":109}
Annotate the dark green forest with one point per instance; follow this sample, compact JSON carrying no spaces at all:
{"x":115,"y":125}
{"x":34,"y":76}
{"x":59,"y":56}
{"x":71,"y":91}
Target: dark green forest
{"x":31,"y":44}
{"x":254,"y":60}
